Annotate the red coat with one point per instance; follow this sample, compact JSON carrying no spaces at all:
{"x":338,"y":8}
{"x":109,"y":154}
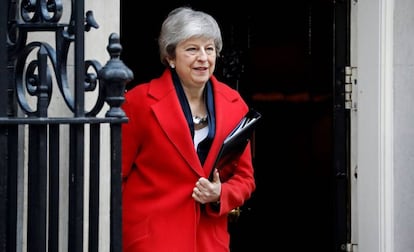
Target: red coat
{"x":160,"y":168}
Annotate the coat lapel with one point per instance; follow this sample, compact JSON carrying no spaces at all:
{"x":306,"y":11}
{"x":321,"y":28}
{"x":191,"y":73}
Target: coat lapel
{"x":167,"y":110}
{"x":225,"y":119}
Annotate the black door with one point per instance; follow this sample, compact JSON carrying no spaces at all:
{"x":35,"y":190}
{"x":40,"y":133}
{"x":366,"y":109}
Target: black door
{"x":286,"y":56}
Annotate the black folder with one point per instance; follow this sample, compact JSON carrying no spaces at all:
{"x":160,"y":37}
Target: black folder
{"x":237,"y":140}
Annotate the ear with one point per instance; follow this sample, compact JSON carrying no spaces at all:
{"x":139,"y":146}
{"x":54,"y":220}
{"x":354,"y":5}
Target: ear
{"x":171,"y":62}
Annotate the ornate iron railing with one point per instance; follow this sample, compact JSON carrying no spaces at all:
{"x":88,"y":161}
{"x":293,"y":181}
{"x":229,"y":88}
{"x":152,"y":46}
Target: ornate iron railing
{"x":31,"y":164}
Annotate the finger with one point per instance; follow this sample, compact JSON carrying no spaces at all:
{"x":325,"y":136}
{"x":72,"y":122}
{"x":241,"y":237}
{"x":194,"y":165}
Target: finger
{"x":216,"y":176}
{"x":195,"y":196}
{"x":198,"y":192}
{"x":202,"y":186}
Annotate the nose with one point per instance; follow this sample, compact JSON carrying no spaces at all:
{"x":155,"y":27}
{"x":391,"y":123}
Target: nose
{"x":202,"y":54}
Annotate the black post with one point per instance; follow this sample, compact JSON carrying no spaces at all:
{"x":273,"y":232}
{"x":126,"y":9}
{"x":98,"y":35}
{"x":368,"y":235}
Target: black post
{"x":115,"y":75}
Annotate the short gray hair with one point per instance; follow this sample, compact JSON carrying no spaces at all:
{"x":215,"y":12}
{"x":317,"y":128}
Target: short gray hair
{"x":183,"y":23}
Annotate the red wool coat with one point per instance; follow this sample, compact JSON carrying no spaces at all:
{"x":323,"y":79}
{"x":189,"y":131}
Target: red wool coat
{"x":160,"y":168}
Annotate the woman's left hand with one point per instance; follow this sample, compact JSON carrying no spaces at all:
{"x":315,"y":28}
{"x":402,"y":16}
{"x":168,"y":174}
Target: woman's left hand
{"x":206,"y":191}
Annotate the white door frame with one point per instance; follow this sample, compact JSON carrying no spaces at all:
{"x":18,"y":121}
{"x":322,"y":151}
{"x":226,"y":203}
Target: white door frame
{"x":374,"y":126}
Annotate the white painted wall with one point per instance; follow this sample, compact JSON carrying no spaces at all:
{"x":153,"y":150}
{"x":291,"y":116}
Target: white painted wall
{"x":369,"y":124}
{"x":385,"y":45}
{"x":403,"y":126}
{"x":375,"y":126}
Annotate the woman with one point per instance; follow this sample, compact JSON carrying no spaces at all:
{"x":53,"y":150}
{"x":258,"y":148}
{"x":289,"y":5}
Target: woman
{"x":177,"y":123}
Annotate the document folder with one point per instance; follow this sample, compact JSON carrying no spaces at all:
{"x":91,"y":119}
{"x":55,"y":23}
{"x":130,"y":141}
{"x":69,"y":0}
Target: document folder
{"x":237,"y":140}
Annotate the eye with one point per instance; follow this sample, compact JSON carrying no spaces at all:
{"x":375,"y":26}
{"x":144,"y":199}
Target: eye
{"x":191,"y":50}
{"x":210,"y":50}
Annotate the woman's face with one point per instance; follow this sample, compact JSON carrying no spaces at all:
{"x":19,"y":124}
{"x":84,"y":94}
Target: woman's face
{"x":195,"y":61}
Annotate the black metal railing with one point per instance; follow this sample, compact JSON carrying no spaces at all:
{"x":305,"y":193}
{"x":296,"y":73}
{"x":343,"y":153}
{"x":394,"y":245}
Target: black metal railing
{"x":43,"y":156}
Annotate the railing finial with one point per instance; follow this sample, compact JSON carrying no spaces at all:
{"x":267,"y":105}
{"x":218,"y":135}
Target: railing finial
{"x":115,"y":75}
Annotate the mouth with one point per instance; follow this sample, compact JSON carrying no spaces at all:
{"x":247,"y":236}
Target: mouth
{"x":201,"y":68}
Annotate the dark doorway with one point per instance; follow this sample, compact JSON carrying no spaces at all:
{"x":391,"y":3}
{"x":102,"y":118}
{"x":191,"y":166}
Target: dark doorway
{"x":286,"y":71}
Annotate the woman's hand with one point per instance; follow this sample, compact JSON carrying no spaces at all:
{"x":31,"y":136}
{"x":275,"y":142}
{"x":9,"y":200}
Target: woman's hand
{"x":206,"y":191}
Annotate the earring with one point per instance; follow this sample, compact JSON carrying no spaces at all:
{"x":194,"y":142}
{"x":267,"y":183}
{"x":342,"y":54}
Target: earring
{"x":172,"y":65}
